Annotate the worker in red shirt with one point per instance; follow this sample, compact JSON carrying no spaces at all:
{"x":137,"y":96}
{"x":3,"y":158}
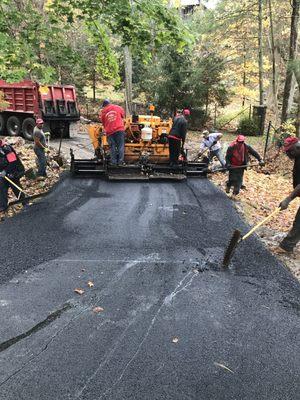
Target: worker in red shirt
{"x":112,"y":118}
{"x":237,"y":158}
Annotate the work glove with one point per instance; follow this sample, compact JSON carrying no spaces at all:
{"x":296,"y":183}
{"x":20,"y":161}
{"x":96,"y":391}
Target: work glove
{"x":3,"y":174}
{"x":285,"y":204}
{"x":262,"y":163}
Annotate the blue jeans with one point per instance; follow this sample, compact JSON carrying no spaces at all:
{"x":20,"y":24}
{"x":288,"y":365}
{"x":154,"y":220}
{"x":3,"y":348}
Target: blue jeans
{"x":116,"y":143}
{"x":219,"y":155}
{"x":41,"y":161}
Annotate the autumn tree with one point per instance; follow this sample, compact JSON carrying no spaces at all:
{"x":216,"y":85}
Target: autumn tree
{"x":288,"y":92}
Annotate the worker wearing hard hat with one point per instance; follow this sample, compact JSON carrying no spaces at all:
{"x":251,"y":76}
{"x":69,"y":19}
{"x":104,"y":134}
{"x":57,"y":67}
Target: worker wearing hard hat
{"x":39,"y":148}
{"x":11,"y":170}
{"x":237,"y":158}
{"x":292,"y":150}
{"x":177,"y":136}
{"x":112,"y":118}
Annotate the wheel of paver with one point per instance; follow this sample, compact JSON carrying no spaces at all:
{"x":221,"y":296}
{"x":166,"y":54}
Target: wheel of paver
{"x":27,"y":128}
{"x":13,"y":126}
{"x":2,"y":125}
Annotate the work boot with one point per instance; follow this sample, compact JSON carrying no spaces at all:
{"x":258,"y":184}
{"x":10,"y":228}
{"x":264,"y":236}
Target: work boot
{"x":282,"y":252}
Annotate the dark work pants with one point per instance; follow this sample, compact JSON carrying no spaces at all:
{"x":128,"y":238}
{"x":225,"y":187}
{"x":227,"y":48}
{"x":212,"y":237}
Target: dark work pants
{"x":116,"y":143}
{"x":4,"y":186}
{"x":293,"y":237}
{"x":236,"y":177}
{"x":174,"y":150}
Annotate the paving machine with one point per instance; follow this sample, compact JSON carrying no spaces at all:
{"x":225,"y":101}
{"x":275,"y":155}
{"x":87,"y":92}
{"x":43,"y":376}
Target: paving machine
{"x":146,"y":153}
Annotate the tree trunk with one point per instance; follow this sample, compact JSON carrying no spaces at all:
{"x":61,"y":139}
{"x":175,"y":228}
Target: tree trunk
{"x":298,"y":116}
{"x":244,"y":74}
{"x":94,"y":85}
{"x":260,"y":51}
{"x":128,"y":79}
{"x":274,"y":69}
{"x":292,"y":56}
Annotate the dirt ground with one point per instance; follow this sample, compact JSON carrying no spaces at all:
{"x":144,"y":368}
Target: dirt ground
{"x":265,"y":188}
{"x":30,"y":184}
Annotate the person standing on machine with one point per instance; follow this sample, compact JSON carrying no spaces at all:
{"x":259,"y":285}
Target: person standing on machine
{"x":177,"y":136}
{"x":112,"y":117}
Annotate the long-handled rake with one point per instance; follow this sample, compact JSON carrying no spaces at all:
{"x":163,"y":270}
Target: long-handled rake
{"x":238,"y":238}
{"x":26,"y":198}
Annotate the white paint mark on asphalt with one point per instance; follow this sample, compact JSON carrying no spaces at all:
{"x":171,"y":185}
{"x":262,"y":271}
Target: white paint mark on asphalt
{"x":4,"y":303}
{"x":183,"y":284}
{"x":145,"y":259}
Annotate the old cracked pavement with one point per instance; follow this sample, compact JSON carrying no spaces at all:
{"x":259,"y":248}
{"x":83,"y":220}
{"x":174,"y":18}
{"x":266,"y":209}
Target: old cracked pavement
{"x":173,"y":325}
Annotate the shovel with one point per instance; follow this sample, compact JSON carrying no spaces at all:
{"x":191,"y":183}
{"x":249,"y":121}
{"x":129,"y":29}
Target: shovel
{"x":237,"y":238}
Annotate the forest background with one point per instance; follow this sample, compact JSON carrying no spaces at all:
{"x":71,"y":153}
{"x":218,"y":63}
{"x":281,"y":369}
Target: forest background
{"x":216,"y":61}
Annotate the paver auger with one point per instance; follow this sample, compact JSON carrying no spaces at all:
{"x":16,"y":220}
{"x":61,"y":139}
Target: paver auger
{"x":146,"y":154}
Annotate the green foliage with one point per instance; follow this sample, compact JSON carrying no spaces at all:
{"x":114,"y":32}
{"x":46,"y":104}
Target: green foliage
{"x":287,"y":129}
{"x":181,"y":79}
{"x":248,"y":127}
{"x":142,"y":25}
{"x":231,"y":117}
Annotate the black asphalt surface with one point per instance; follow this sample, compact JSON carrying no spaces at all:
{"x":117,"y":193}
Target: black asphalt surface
{"x":173,"y":325}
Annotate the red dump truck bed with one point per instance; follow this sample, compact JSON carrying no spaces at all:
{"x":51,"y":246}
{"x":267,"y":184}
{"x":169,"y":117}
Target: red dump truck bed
{"x":27,"y":100}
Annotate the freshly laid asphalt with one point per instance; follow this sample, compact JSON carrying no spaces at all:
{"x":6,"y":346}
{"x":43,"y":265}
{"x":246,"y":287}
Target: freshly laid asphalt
{"x":172,"y":325}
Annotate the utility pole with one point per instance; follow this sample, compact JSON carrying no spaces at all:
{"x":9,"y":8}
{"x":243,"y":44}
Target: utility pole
{"x":128,"y":75}
{"x":128,"y":79}
{"x":260,"y":52}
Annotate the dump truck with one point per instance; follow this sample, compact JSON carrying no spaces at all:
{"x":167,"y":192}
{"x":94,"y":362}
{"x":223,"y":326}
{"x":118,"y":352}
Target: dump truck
{"x":146,"y":153}
{"x":27,"y":100}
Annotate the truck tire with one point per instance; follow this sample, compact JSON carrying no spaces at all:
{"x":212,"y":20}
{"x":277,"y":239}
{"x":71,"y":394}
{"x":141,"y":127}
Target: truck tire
{"x":13,"y":126}
{"x":27,"y":128}
{"x":2,"y":125}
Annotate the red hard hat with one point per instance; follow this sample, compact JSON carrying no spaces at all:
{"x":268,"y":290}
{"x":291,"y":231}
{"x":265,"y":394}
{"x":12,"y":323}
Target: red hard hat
{"x":290,"y":142}
{"x":240,"y":138}
{"x":39,"y":121}
{"x":186,"y":112}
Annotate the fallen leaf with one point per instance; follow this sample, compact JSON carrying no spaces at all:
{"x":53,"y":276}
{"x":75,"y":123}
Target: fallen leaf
{"x":90,"y":284}
{"x":175,"y":340}
{"x":223,"y":366}
{"x":98,"y":309}
{"x":79,"y":291}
